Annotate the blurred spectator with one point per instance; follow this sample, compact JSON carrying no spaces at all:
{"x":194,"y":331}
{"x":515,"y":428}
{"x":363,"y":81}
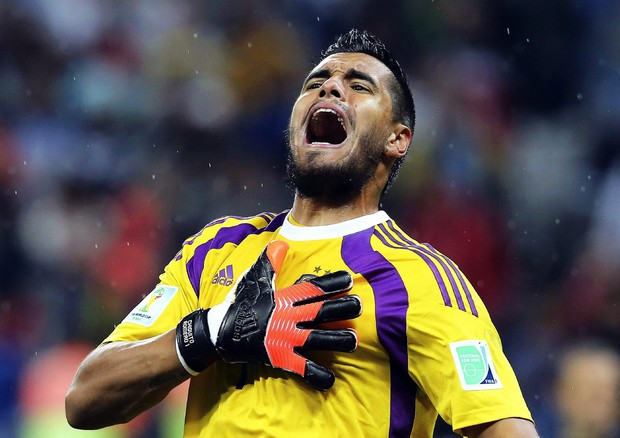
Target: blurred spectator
{"x":586,"y":397}
{"x":42,"y":395}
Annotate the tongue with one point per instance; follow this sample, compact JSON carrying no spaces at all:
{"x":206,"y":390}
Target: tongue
{"x":326,"y":128}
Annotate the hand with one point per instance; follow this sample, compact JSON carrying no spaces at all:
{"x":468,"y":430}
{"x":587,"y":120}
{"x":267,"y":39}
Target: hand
{"x":259,"y":324}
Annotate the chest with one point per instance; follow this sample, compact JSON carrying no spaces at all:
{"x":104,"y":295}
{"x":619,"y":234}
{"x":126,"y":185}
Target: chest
{"x":377,"y":283}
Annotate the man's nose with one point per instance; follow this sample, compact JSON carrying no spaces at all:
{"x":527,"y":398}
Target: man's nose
{"x":332,"y":87}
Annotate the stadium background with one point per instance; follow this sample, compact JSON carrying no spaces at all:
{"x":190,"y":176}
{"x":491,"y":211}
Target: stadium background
{"x":126,"y":126}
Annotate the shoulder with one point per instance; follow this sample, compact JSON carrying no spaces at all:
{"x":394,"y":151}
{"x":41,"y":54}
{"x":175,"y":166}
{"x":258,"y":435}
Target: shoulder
{"x":236,"y":227}
{"x":229,"y":229}
{"x":429,"y":275}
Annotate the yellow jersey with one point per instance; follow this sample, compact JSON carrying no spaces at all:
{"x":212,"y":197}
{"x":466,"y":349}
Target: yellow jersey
{"x":427,"y":345}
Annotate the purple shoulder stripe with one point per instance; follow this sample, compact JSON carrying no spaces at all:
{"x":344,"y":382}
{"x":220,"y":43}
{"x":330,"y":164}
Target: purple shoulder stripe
{"x":431,"y":257}
{"x":461,"y":278}
{"x":276,"y":222}
{"x":266,"y":215}
{"x":391,"y":302}
{"x":438,"y":278}
{"x":235,"y":234}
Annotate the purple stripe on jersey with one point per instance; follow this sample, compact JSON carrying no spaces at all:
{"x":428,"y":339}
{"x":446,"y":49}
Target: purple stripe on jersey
{"x":276,"y":222}
{"x":191,"y":239}
{"x":391,"y":303}
{"x":442,"y":286}
{"x":195,"y":265}
{"x":468,"y":293}
{"x":235,"y":234}
{"x":440,"y":257}
{"x":416,"y":247}
{"x":264,"y":215}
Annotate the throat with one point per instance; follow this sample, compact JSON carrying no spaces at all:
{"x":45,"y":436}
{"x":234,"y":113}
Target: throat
{"x":311,"y":212}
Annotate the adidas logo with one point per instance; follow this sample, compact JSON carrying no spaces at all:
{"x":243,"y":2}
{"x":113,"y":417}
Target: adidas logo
{"x":225,"y":277}
{"x":246,"y":323}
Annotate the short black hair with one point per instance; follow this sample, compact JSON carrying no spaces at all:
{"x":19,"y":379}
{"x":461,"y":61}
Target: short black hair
{"x":356,"y":41}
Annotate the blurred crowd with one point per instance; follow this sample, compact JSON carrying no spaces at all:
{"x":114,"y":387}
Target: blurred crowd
{"x":126,"y":126}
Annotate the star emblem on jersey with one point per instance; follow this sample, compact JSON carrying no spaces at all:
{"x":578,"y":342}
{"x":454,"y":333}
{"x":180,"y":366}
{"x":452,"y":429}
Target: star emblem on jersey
{"x":321,"y":271}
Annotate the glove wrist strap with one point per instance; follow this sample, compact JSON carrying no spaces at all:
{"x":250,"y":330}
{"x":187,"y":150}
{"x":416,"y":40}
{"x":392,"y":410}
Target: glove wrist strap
{"x":193,"y":342}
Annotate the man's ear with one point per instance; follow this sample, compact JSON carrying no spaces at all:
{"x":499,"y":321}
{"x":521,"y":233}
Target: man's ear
{"x":398,"y":141}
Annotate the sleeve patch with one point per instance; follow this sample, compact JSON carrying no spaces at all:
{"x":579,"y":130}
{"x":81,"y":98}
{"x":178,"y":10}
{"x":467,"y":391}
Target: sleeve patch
{"x":151,"y":306}
{"x":474,"y":365}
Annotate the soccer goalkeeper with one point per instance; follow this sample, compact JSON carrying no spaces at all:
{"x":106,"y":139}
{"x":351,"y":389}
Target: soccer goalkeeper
{"x":323,"y":320}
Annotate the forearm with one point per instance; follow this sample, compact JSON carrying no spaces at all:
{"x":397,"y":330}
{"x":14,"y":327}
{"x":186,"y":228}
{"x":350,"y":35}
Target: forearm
{"x":506,"y":428}
{"x":120,"y":380}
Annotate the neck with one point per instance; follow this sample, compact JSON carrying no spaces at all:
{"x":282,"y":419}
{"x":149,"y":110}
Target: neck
{"x":311,"y":212}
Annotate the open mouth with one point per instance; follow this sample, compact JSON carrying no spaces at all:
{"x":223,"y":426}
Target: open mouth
{"x":326,"y":126}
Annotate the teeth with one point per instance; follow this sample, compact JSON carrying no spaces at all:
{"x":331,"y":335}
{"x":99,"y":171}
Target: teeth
{"x":329,"y":110}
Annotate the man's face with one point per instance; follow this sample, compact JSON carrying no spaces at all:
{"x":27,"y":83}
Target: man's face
{"x":339,"y":127}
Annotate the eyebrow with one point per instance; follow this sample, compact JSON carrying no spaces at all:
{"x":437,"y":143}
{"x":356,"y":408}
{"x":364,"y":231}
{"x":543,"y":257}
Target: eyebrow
{"x":352,"y":73}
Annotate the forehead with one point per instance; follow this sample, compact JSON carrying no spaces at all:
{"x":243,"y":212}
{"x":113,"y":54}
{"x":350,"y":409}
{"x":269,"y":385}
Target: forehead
{"x":344,"y":62}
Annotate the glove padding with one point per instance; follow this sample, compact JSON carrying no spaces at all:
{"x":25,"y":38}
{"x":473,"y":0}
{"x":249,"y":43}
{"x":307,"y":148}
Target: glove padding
{"x":273,"y":327}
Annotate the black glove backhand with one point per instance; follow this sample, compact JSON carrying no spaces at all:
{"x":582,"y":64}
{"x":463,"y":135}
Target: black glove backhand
{"x":268,"y":326}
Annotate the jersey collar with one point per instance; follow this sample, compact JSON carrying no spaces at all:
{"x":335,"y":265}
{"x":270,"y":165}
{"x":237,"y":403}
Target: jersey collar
{"x":296,"y":232}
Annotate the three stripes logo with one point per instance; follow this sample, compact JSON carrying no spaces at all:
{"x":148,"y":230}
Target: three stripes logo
{"x":225,"y":277}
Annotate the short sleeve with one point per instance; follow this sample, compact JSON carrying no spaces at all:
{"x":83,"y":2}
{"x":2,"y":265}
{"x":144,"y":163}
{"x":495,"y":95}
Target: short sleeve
{"x":457,"y":360}
{"x":163,"y":308}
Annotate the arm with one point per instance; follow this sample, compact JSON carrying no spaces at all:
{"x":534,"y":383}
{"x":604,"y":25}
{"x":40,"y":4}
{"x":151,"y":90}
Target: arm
{"x":506,"y":428}
{"x":120,"y":380}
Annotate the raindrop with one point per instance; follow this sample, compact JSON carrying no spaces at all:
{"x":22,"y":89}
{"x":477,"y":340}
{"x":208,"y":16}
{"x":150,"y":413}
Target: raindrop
{"x":318,"y":19}
{"x":195,"y":35}
{"x":249,"y":44}
{"x":579,"y":96}
{"x":557,"y":221}
{"x":96,"y":245}
{"x":153,"y":176}
{"x":508,"y":30}
{"x":583,"y":189}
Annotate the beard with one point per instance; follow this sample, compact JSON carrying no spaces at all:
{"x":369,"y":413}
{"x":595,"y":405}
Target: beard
{"x":338,"y":183}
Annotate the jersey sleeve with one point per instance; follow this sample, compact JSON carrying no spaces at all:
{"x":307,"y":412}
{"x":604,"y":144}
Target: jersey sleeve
{"x":182,"y":286}
{"x":457,"y":360}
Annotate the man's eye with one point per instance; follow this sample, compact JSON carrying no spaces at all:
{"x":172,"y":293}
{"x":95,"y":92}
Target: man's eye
{"x":313,"y":85}
{"x":358,"y":87}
